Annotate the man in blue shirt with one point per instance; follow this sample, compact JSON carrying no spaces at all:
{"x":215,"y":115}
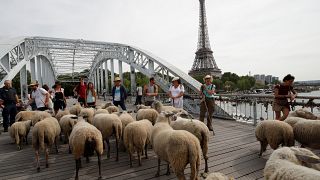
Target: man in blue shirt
{"x":119,"y":94}
{"x":207,"y":102}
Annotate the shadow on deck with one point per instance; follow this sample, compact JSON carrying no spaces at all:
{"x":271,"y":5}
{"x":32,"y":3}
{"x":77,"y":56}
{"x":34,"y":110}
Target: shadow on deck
{"x":233,"y":151}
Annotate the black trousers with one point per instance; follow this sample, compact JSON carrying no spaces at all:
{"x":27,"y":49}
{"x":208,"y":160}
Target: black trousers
{"x":121,"y":104}
{"x":9,"y":114}
{"x":138,"y":100}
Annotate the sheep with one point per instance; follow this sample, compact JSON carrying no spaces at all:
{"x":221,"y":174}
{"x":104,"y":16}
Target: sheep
{"x":136,"y":137}
{"x":274,"y":133}
{"x":109,"y":124}
{"x":141,"y":106}
{"x":292,"y":163}
{"x":66,"y":124}
{"x":293,"y":120}
{"x":303,"y":113}
{"x":218,"y":176}
{"x":150,"y":114}
{"x":177,"y":147}
{"x":112,"y":109}
{"x":107,"y":104}
{"x":20,"y":130}
{"x":34,"y":116}
{"x":197,"y":128}
{"x":84,"y":140}
{"x":45,"y":132}
{"x":125,"y":118}
{"x":38,"y":116}
{"x":75,"y":109}
{"x":307,"y":133}
{"x":100,"y":111}
{"x":87,"y":114}
{"x":61,"y":113}
{"x":158,"y":106}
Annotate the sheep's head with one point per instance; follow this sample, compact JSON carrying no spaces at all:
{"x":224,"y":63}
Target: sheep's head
{"x":166,"y":117}
{"x":182,"y":114}
{"x":307,"y":158}
{"x":157,"y":105}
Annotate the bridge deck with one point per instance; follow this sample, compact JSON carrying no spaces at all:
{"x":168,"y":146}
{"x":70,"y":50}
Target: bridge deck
{"x":233,"y":151}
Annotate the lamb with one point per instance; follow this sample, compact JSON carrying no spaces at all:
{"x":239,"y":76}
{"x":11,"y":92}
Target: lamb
{"x":75,"y":109}
{"x":107,"y":104}
{"x":149,"y":114}
{"x":177,"y":147}
{"x":101,"y":111}
{"x":218,"y":176}
{"x":292,"y":163}
{"x":158,"y":106}
{"x":197,"y":128}
{"x":45,"y":132}
{"x":307,"y":133}
{"x":112,"y":109}
{"x":84,"y":140}
{"x":20,"y":130}
{"x":109,"y":124}
{"x":66,"y":124}
{"x":87,"y":114}
{"x":136,"y":137}
{"x":274,"y":133}
{"x":61,"y":113}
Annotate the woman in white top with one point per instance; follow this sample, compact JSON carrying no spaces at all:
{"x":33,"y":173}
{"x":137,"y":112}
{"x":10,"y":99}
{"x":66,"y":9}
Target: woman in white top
{"x":176,"y":92}
{"x":91,"y":96}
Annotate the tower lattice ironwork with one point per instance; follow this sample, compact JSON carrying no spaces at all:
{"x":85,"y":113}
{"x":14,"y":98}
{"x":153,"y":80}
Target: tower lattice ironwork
{"x":204,"y":62}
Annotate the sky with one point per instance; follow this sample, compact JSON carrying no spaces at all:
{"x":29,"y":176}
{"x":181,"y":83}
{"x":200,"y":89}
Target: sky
{"x":273,"y":37}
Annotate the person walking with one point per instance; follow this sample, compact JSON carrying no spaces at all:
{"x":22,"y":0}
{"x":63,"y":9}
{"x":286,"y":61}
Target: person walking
{"x":207,"y":101}
{"x":139,"y":95}
{"x":119,"y":94}
{"x":282,"y":92}
{"x":40,"y":96}
{"x":151,"y":91}
{"x":59,"y":100}
{"x":8,"y":102}
{"x":80,"y":91}
{"x":176,"y":92}
{"x":91,"y":96}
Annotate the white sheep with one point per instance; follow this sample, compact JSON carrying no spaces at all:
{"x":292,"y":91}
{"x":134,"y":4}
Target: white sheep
{"x":66,"y":124}
{"x":109,"y":124}
{"x":136,"y":137}
{"x":101,"y":111}
{"x":45,"y":132}
{"x":150,"y":114}
{"x":112,"y":109}
{"x":38,"y":116}
{"x":84,"y":140}
{"x":75,"y":109}
{"x":307,"y":133}
{"x":293,"y":120}
{"x":197,"y":128}
{"x":61,"y":113}
{"x":87,"y":114}
{"x":218,"y":176}
{"x":274,"y":133}
{"x":303,"y":113}
{"x":107,"y":104}
{"x":158,"y":106}
{"x":141,"y":106}
{"x":177,"y":147}
{"x":19,"y":131}
{"x":34,"y":116}
{"x":292,"y":163}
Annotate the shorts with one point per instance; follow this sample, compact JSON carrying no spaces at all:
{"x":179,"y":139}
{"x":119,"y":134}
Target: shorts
{"x":278,"y":108}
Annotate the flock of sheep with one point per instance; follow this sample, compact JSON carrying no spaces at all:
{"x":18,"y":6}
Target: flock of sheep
{"x":173,"y":134}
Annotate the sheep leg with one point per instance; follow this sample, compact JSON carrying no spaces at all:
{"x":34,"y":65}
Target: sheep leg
{"x":47,"y":157}
{"x":180,"y":175}
{"x":87,"y":159}
{"x":263,"y":147}
{"x":130,"y":158}
{"x":158,"y":171}
{"x":37,"y":160}
{"x":55,"y":144}
{"x":146,"y":150}
{"x":78,"y":164}
{"x":69,"y":149}
{"x":26,"y":138}
{"x":168,"y":170}
{"x":99,"y":164}
{"x":139,"y":157}
{"x":108,"y":150}
{"x":206,"y":164}
{"x":117,"y":147}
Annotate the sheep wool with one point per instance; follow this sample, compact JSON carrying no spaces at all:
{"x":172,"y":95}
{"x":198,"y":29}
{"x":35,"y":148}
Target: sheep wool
{"x":112,"y":109}
{"x":66,"y":124}
{"x":101,"y":111}
{"x":198,"y":129}
{"x":274,"y":133}
{"x":177,"y":147}
{"x":109,"y":124}
{"x":45,"y":132}
{"x":307,"y":133}
{"x":149,"y":114}
{"x":293,"y":120}
{"x":218,"y":176}
{"x":24,"y":115}
{"x":38,"y":116}
{"x":87,"y":114}
{"x":136,"y":137}
{"x":75,"y":109}
{"x":159,"y":107}
{"x":304,"y":113}
{"x":20,"y":130}
{"x":61,"y":113}
{"x":84,"y":140}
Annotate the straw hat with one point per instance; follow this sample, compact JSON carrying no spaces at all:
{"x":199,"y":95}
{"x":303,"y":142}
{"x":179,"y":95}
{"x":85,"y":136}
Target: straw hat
{"x":34,"y":83}
{"x":116,"y":79}
{"x":175,"y":79}
{"x":208,"y":77}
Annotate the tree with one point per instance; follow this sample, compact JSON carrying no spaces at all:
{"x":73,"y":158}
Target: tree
{"x":228,"y":76}
{"x":229,"y":86}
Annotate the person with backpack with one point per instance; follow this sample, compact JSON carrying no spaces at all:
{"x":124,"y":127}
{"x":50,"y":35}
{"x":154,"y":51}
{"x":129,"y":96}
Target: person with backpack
{"x":59,"y":100}
{"x":207,"y":91}
{"x":176,"y":92}
{"x":119,"y":94}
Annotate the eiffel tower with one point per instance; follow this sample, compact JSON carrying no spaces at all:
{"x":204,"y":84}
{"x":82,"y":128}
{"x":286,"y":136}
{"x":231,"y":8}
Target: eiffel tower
{"x":204,"y":62}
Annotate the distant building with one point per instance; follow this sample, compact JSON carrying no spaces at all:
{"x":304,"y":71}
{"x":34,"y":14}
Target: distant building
{"x":268,"y":79}
{"x":274,"y":79}
{"x":263,"y":79}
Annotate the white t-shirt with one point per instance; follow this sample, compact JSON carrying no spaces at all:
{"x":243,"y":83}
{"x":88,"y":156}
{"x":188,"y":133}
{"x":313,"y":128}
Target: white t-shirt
{"x":177,"y":102}
{"x":39,"y":95}
{"x":139,"y":91}
{"x":117,"y":94}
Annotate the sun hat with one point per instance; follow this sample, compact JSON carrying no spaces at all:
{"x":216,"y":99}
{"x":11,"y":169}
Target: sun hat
{"x":117,"y":79}
{"x":34,"y":83}
{"x":175,"y":79}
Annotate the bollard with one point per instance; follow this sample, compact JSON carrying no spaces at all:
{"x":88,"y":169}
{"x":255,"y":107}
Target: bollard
{"x":254,"y":112}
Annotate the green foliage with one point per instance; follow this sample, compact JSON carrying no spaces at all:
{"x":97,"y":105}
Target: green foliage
{"x":229,"y":86}
{"x":16,"y":82}
{"x":218,"y":83}
{"x":228,"y":76}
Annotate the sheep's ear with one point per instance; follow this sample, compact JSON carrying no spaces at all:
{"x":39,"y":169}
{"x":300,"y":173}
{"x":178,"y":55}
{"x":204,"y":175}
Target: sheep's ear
{"x":74,"y":117}
{"x":129,"y":111}
{"x":308,"y":159}
{"x":168,"y":114}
